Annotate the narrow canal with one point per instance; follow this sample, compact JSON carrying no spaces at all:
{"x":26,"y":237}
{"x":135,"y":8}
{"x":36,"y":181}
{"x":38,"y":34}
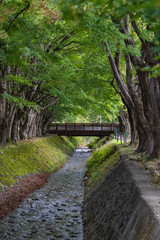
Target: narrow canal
{"x":54,"y":211}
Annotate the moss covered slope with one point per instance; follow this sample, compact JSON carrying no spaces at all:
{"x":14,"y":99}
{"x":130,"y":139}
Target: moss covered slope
{"x":101,"y":161}
{"x":31,"y":157}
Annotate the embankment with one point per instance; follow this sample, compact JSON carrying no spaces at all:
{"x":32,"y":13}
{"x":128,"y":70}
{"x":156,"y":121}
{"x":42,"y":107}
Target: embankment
{"x":30,"y":157}
{"x":26,"y":167}
{"x":125,"y":205}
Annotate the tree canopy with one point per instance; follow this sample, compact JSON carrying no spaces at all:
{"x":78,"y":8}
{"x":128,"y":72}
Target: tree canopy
{"x":60,"y":60}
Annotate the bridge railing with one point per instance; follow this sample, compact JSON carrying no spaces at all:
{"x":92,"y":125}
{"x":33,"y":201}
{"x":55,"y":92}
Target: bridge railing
{"x":82,"y":127}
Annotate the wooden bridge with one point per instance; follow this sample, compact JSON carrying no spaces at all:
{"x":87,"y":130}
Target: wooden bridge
{"x":82,"y":129}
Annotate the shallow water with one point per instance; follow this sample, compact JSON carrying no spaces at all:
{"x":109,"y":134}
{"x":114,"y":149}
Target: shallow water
{"x":54,"y":211}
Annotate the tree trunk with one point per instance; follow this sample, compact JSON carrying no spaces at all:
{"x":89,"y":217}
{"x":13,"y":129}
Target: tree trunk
{"x":15,"y":129}
{"x":3,"y":123}
{"x":124,"y":122}
{"x":142,"y":140}
{"x":156,"y":149}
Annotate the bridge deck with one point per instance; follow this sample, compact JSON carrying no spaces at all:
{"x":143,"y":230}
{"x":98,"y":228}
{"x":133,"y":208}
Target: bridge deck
{"x":82,"y":129}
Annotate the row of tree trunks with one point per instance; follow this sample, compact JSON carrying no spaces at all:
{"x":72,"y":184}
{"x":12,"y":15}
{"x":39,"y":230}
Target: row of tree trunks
{"x":18,"y":128}
{"x":141,"y":93}
{"x":27,"y":103}
{"x":16,"y":123}
{"x":21,"y":122}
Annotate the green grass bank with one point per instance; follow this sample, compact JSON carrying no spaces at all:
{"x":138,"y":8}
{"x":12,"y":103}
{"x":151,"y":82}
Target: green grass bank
{"x":103,"y":160}
{"x":39,"y":155}
{"x":120,"y":200}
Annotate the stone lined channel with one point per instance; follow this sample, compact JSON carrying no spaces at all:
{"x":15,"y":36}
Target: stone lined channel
{"x":54,"y":211}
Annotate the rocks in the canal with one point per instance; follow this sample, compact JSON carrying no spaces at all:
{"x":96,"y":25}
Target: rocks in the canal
{"x":12,"y":217}
{"x":48,"y":228}
{"x":28,"y":235}
{"x":58,"y":235}
{"x":34,"y":231}
{"x":74,"y":210}
{"x":49,"y":233}
{"x":60,"y":209}
{"x":76,"y":216}
{"x":44,"y":220}
{"x":73,"y":234}
{"x":54,"y":233}
{"x":53,"y":212}
{"x":32,"y":209}
{"x":23,"y":213}
{"x":35,"y":199}
{"x":67,"y":229}
{"x":63,"y":204}
{"x":70,"y":225}
{"x":59,"y":218}
{"x":55,"y":204}
{"x":11,"y":221}
{"x":30,"y":220}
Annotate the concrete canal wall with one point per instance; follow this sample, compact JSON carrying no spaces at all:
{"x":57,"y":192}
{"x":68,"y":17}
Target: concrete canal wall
{"x":125,"y":206}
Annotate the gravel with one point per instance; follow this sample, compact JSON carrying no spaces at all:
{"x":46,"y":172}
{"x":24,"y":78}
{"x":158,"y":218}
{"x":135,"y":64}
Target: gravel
{"x":54,"y":211}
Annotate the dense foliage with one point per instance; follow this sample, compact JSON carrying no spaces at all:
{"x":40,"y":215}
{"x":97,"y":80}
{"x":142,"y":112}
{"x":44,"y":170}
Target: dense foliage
{"x":129,"y":33}
{"x":44,"y":71}
{"x":62,"y":59}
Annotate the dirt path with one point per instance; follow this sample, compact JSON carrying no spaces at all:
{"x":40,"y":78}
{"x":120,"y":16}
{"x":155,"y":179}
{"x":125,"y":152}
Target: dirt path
{"x":54,"y":211}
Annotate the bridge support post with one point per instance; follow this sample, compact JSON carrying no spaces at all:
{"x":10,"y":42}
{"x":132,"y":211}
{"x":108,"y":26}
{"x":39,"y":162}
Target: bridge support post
{"x":56,"y":128}
{"x":65,"y":128}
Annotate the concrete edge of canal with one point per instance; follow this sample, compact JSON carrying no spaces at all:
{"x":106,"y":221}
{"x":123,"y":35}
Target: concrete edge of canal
{"x":126,"y":205}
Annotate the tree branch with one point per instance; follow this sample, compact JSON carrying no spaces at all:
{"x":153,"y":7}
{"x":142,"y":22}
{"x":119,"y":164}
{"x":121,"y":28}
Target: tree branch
{"x":137,"y":61}
{"x":115,"y":88}
{"x":118,"y":77}
{"x":16,"y":17}
{"x":117,"y":61}
{"x":122,"y":86}
{"x":146,"y":45}
{"x":121,"y":95}
{"x":51,"y":103}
